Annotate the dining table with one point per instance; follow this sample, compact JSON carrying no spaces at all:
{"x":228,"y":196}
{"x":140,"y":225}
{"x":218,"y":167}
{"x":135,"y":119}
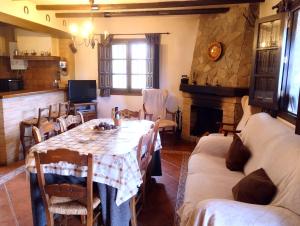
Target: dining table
{"x":116,"y":173}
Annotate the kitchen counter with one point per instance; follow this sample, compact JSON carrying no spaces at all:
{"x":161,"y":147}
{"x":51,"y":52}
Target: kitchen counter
{"x":4,"y":95}
{"x":16,"y":106}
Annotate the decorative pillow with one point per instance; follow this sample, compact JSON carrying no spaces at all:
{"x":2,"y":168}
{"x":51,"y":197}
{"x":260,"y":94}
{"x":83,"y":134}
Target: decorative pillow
{"x":256,"y":188}
{"x":238,"y":155}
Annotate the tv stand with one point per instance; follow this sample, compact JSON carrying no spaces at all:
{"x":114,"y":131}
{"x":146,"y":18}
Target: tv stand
{"x":88,"y":110}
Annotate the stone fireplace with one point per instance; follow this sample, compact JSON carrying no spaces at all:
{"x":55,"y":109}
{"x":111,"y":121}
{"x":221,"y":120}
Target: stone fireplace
{"x":215,"y":87}
{"x":202,"y":110}
{"x":203,"y":119}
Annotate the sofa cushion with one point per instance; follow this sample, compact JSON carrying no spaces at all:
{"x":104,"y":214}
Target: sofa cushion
{"x":237,"y":155}
{"x":209,"y":178}
{"x":256,"y":188}
{"x":213,"y":145}
{"x":275,"y":147}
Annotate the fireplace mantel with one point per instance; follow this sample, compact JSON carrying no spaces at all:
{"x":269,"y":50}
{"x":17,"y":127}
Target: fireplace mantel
{"x":214,"y":90}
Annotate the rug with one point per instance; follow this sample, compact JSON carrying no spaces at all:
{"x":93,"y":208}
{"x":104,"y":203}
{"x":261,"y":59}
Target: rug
{"x":181,"y":186}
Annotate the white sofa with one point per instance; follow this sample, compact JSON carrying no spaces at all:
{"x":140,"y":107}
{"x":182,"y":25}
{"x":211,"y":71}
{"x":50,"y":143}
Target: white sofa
{"x":208,"y":199}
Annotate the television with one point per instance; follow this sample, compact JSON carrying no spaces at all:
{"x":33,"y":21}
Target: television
{"x":81,"y":91}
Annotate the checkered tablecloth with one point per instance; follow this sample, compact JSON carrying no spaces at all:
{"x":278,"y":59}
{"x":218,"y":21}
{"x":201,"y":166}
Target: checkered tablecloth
{"x":114,"y":154}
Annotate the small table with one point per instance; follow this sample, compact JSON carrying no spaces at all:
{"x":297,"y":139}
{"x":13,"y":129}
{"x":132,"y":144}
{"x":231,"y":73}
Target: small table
{"x":114,"y":158}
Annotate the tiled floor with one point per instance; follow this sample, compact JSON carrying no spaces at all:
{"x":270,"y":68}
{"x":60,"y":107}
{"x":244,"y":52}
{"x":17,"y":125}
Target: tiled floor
{"x":15,"y":207}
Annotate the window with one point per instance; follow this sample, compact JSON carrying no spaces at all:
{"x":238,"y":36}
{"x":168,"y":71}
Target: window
{"x":125,"y":67}
{"x":130,"y":66}
{"x":292,"y":78}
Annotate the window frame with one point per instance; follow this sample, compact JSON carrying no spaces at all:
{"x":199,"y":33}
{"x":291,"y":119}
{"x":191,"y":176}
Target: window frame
{"x":283,"y":103}
{"x":128,"y":91}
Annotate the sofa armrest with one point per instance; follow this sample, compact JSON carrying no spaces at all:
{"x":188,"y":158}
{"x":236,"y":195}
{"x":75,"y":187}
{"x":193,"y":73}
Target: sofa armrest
{"x":213,"y":145}
{"x":219,"y":212}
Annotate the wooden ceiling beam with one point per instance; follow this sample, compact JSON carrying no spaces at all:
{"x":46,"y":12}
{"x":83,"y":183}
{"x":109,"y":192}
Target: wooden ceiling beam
{"x":144,"y":13}
{"x":150,"y":5}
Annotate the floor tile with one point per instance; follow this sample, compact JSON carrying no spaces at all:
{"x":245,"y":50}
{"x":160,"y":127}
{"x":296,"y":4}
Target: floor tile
{"x":19,"y":192}
{"x":6,"y":214}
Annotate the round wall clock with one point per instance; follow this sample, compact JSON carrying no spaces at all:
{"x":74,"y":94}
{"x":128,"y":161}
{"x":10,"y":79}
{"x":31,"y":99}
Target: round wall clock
{"x":215,"y":51}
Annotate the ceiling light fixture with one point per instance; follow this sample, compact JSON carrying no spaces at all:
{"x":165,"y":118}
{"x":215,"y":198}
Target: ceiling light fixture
{"x":84,"y":34}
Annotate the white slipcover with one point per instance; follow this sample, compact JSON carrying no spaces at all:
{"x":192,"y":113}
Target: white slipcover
{"x":208,"y":197}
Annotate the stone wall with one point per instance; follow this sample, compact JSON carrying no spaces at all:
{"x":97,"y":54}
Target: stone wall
{"x":236,"y":34}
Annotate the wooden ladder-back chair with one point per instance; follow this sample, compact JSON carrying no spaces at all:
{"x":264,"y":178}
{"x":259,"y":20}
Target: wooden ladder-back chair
{"x":155,"y":107}
{"x":44,"y":132}
{"x":125,"y":113}
{"x":44,"y":114}
{"x":63,"y":110}
{"x":70,"y":121}
{"x":67,"y":199}
{"x":143,"y":158}
{"x":232,"y":128}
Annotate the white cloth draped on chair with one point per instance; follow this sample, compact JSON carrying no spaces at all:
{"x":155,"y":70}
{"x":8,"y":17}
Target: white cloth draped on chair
{"x":155,"y":102}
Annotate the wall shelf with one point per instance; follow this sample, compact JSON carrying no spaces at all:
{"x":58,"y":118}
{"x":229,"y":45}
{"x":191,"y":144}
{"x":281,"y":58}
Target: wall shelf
{"x":54,"y":58}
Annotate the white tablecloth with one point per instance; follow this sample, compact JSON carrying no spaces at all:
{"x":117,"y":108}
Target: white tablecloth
{"x":114,"y":154}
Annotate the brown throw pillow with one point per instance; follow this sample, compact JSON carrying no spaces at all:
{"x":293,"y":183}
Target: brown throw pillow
{"x":256,"y":188}
{"x":238,"y":155}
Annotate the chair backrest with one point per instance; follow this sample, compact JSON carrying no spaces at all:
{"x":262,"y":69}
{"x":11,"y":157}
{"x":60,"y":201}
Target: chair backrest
{"x":248,"y":110}
{"x":154,"y":137}
{"x":65,"y":190}
{"x":45,"y":131}
{"x":63,"y":108}
{"x":154,"y":102}
{"x":44,"y":112}
{"x":143,"y":150}
{"x":70,"y":121}
{"x":125,"y":113}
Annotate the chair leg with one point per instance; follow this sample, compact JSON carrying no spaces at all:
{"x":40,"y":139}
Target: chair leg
{"x":22,"y":138}
{"x":83,"y":219}
{"x":50,"y":220}
{"x":133,"y":211}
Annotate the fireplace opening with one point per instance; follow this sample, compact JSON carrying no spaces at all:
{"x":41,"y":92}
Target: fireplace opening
{"x":204,"y":119}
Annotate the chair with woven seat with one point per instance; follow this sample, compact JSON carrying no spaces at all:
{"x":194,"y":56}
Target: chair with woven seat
{"x":45,"y":131}
{"x":128,"y":114}
{"x":155,"y":107}
{"x":70,"y":121}
{"x":43,"y":116}
{"x":63,"y":110}
{"x":67,"y":199}
{"x":145,"y":150}
{"x":231,"y":128}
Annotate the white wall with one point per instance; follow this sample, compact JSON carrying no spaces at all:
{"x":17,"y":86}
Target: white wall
{"x":32,"y":41}
{"x":176,"y":54}
{"x":266,"y":8}
{"x":16,"y":8}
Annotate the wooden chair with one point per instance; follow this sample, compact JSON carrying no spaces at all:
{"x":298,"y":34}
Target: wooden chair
{"x":125,"y":113}
{"x":143,"y":158}
{"x":70,"y":121}
{"x":67,"y":199}
{"x":231,"y":128}
{"x":63,"y":110}
{"x":45,"y":131}
{"x":43,"y":116}
{"x":153,"y":112}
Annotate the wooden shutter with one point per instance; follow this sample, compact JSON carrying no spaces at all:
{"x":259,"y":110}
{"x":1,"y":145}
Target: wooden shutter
{"x":153,"y":41}
{"x":268,"y":52}
{"x":298,"y":118}
{"x":104,"y":69}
